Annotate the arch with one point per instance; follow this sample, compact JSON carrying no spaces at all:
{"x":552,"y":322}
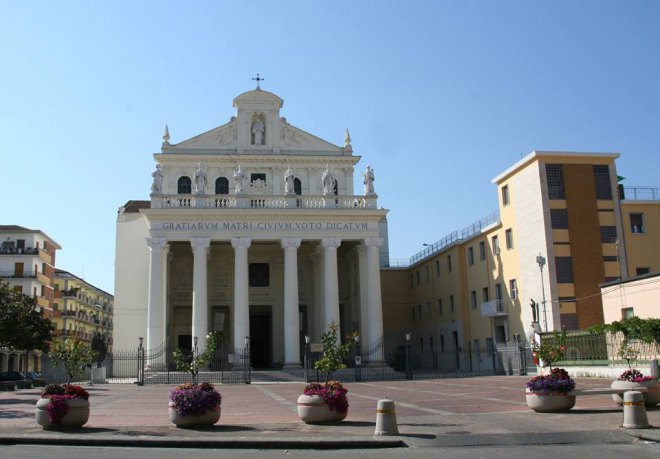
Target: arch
{"x":221,"y":185}
{"x":336,"y":188}
{"x":297,"y":186}
{"x":184,"y":185}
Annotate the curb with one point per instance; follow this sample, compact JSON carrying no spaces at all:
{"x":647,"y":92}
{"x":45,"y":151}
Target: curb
{"x":206,"y":442}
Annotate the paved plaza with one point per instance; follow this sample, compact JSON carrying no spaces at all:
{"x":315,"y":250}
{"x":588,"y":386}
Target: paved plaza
{"x":437,"y":412}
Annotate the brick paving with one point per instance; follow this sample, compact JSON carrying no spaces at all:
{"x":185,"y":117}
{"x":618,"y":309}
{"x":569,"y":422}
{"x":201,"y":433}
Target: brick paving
{"x":466,"y":406}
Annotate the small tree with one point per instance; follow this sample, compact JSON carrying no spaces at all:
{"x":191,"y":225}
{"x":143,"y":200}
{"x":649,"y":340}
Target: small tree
{"x":191,"y":362}
{"x":551,"y":349}
{"x":333,"y":352}
{"x":74,"y":355}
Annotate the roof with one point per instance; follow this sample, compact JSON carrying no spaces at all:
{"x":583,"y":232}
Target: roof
{"x":60,"y":273}
{"x":22,"y":229}
{"x":134,"y":206}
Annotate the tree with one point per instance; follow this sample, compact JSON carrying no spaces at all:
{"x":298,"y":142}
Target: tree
{"x":22,"y":327}
{"x":634,"y":328}
{"x":74,"y":355}
{"x":333,"y":353}
{"x":193,"y":361}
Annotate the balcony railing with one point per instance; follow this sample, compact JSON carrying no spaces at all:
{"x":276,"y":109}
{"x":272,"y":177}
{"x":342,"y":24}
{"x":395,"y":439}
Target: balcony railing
{"x":494,"y":308}
{"x":7,"y":250}
{"x":641,"y":193}
{"x":15,"y":275}
{"x":187,"y":201}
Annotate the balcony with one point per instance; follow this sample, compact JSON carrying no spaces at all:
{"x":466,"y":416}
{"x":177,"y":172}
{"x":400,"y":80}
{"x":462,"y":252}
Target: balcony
{"x":494,"y":308}
{"x":188,"y":201}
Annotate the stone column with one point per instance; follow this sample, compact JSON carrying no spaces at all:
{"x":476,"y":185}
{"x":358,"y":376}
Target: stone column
{"x":241,"y":290}
{"x":364,"y":318}
{"x":318,"y":312}
{"x":200,"y":306}
{"x":291,"y":315}
{"x":374,"y":303}
{"x":331,"y":282}
{"x":155,"y":299}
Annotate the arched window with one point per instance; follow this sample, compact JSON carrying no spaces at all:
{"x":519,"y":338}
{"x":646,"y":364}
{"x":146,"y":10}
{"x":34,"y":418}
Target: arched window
{"x":297,"y":186}
{"x":184,"y":185}
{"x":336,"y":190}
{"x":222,"y":185}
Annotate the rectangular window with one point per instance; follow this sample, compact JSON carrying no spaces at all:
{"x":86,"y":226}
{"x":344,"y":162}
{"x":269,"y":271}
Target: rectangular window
{"x":602,"y":181}
{"x":470,"y":256}
{"x":637,"y":223}
{"x":559,"y":218}
{"x":484,"y":294}
{"x":442,"y":343}
{"x":627,"y":313}
{"x":449,"y":263}
{"x":255,"y":177}
{"x":419,"y":310}
{"x":554,"y":174}
{"x":642,"y":271}
{"x":608,"y":234}
{"x":505,"y":195}
{"x":437,"y":268}
{"x":259,"y":275}
{"x":564,"y":268}
{"x":509,"y":238}
{"x":496,"y":245}
{"x":439,"y":306}
{"x":417,"y":276}
{"x":473,"y":299}
{"x":482,"y":250}
{"x":421,"y":343}
{"x":513,"y":289}
{"x":451,"y":303}
{"x":498,"y":292}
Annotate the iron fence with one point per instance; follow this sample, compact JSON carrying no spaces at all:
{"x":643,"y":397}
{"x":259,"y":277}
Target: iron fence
{"x":585,"y":348}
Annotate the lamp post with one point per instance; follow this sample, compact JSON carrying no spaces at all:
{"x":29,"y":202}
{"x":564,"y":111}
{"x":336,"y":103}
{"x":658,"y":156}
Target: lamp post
{"x":140,"y":372}
{"x":408,"y":356}
{"x":358,"y":358}
{"x":246,"y":376}
{"x":541,"y":262}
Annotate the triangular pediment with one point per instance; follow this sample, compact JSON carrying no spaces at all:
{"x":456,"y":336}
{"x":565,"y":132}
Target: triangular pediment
{"x":219,"y":137}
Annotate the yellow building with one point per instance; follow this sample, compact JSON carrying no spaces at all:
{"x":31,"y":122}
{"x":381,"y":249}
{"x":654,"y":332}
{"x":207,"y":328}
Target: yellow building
{"x":560,"y":231}
{"x":81,"y":309}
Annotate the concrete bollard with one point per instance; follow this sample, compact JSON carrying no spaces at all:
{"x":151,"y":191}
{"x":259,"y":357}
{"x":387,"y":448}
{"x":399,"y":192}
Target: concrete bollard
{"x":655,"y":372}
{"x":386,"y":418}
{"x":634,"y":412}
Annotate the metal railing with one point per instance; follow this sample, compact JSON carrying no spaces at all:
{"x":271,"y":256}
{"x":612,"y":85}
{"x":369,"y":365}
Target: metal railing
{"x":494,"y":308}
{"x":641,"y":193}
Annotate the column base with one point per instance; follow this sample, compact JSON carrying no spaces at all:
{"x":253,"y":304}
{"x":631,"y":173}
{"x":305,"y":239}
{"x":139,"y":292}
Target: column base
{"x":292,"y":366}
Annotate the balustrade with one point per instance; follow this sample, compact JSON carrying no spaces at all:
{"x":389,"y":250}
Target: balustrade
{"x":261,"y":202}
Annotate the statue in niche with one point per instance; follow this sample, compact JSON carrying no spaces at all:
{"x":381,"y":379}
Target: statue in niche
{"x":239,"y":176}
{"x":157,"y":185}
{"x":289,"y":179}
{"x":328,"y":181}
{"x":369,"y":178}
{"x":534,"y":306}
{"x":258,"y":129}
{"x":200,"y":179}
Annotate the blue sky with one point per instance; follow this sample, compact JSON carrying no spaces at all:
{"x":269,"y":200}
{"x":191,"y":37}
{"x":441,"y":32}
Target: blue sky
{"x":439,"y":96}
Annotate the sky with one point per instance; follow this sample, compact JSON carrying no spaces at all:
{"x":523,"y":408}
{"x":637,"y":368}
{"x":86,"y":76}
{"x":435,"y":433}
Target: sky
{"x":439,"y":96}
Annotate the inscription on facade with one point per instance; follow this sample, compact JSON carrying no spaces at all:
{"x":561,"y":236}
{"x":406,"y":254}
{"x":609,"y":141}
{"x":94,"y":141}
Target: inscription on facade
{"x":262,"y":226}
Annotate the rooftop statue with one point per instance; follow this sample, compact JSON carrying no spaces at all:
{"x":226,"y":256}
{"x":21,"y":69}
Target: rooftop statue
{"x":200,"y":179}
{"x":239,"y":176}
{"x":157,"y":185}
{"x":328,"y":181}
{"x":369,"y":178}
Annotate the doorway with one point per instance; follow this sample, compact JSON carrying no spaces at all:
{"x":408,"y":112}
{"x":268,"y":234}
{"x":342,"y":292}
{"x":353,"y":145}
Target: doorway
{"x":260,"y":337}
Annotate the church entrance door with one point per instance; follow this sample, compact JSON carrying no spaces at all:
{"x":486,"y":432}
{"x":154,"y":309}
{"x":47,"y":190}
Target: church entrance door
{"x":260,"y":337}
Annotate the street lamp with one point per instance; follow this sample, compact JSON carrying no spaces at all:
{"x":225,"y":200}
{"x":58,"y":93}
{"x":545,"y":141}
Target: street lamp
{"x":540,"y":259}
{"x":408,"y":356}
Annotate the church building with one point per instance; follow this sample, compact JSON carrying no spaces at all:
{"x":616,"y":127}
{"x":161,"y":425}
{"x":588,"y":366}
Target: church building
{"x":253,"y":230}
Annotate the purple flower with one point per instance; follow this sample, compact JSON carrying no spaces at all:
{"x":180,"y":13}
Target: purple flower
{"x":557,"y":381}
{"x":333,"y":393}
{"x":195,"y":399}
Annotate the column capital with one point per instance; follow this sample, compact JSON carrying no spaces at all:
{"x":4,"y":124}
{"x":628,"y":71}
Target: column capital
{"x":331,"y":242}
{"x":290,"y":242}
{"x":156,"y":243}
{"x":200,"y":242}
{"x":243,"y":242}
{"x":373,"y":241}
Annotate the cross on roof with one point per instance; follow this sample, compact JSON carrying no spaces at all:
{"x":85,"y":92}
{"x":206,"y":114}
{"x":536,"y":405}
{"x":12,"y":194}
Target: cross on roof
{"x":258,"y":79}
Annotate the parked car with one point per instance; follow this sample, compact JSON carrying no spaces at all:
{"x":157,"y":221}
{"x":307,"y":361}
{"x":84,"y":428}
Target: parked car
{"x":12,"y":376}
{"x":35,"y":377}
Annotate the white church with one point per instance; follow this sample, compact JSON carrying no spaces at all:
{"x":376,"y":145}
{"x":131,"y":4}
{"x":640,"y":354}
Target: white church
{"x":253,"y":230}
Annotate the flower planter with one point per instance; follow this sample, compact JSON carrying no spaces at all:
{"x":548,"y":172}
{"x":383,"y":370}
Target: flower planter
{"x":207,"y":419}
{"x":77,"y":415}
{"x":651,"y":398}
{"x":549,"y":402}
{"x":312,"y":409}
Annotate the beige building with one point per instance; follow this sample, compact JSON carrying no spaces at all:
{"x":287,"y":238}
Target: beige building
{"x":81,"y":309}
{"x":27,"y":262}
{"x":636,"y":296}
{"x":560,"y":231}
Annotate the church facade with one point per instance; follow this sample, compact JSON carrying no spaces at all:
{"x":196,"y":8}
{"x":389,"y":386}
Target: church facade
{"x":253,"y":229}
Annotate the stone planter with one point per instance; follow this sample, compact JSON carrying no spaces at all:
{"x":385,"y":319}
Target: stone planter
{"x":207,"y":419}
{"x":77,"y":415}
{"x":549,"y":402}
{"x":312,"y":409}
{"x":651,"y":397}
